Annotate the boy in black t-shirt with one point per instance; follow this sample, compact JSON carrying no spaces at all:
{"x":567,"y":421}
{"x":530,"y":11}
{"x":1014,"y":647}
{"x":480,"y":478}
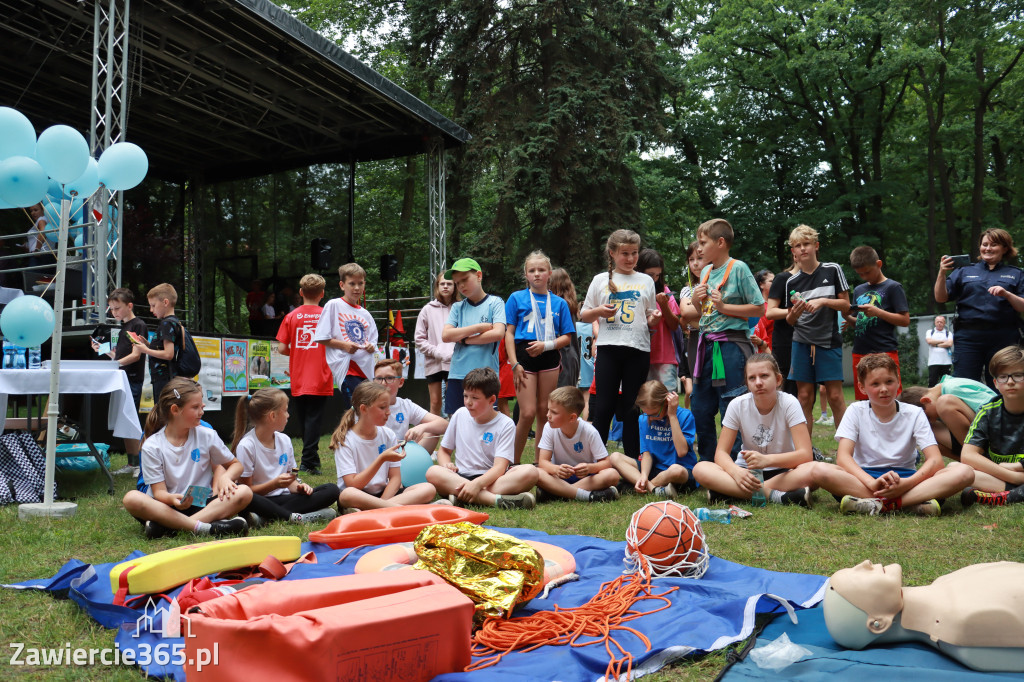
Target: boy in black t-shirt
{"x":128,"y":355}
{"x":880,"y":305}
{"x":162,"y":369}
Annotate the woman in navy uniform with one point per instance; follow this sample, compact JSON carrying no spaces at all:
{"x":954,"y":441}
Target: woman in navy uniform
{"x":989,"y":301}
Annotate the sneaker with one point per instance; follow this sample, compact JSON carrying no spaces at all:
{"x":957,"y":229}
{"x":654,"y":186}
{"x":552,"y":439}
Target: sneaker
{"x":969,"y":496}
{"x":607,"y":495}
{"x":860,"y":505}
{"x":520,"y":501}
{"x":127,"y":469}
{"x":350,"y":510}
{"x":254,"y":520}
{"x":800,"y":497}
{"x":312,"y":471}
{"x":824,"y":420}
{"x":927,"y":508}
{"x":235,"y":526}
{"x":319,"y":516}
{"x":715,"y":497}
{"x":154,"y":530}
{"x":455,"y":501}
{"x":444,"y":501}
{"x":818,"y":455}
{"x":666,"y":491}
{"x":545,"y":496}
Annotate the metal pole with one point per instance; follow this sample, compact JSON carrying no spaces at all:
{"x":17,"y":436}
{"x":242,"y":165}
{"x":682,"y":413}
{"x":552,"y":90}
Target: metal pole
{"x":351,"y":211}
{"x":49,"y":507}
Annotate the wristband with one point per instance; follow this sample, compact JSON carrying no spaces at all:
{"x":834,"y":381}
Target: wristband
{"x":516,"y":365}
{"x":549,"y":345}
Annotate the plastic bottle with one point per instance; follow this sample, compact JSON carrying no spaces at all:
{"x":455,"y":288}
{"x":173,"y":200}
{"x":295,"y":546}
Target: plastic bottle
{"x":713,"y":515}
{"x":19,"y":358}
{"x":798,"y":296}
{"x":35,"y":357}
{"x":8,"y":358}
{"x":757,"y":499}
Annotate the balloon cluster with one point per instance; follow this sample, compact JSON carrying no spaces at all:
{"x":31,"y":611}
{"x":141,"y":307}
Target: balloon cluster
{"x":58,"y":164}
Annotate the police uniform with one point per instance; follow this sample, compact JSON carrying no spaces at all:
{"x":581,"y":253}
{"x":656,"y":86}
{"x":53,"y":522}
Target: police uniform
{"x":985,"y":323}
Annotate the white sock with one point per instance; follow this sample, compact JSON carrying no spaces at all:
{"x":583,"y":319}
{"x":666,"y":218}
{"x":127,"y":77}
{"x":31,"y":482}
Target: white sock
{"x":582,"y":495}
{"x":201,"y":528}
{"x":775,"y":496}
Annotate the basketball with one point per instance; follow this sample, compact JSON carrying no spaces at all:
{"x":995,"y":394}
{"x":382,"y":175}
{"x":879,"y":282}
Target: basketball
{"x":668,"y":535}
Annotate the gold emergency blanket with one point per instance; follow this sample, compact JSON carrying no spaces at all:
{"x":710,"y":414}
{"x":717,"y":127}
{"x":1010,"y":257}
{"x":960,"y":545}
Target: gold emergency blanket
{"x":495,"y":570}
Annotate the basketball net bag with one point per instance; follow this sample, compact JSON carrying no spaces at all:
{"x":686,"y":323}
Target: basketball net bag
{"x":665,"y":539}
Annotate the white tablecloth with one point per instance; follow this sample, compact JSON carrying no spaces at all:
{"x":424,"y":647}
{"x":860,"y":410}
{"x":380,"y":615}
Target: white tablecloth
{"x":122,"y":418}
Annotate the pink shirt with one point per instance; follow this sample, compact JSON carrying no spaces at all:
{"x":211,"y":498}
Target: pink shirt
{"x":662,"y":350}
{"x":429,"y":325}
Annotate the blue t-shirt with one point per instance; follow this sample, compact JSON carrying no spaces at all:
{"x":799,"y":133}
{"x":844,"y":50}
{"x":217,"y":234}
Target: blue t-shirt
{"x":519,"y":312}
{"x":656,"y":438}
{"x":585,"y":330}
{"x":969,"y":288}
{"x":467,"y":357}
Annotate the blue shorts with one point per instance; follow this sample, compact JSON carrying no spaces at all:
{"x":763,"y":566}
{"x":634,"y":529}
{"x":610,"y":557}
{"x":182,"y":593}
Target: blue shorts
{"x":827,"y":363}
{"x":875,"y":472}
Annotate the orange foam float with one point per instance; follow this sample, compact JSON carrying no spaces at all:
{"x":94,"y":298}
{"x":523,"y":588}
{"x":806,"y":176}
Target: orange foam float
{"x":558,"y":562}
{"x":392,"y":524}
{"x":380,"y":626}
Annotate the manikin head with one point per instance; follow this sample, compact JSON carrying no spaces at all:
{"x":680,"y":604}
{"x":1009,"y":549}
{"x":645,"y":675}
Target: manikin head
{"x":876,"y":594}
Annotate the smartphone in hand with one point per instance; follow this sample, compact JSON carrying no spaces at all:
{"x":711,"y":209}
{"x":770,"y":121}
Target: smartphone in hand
{"x":961,"y":261}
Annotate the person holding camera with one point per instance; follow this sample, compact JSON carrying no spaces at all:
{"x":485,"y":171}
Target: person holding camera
{"x":988,"y":297}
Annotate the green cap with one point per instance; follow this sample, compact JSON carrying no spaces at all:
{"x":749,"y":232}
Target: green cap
{"x":462,"y":265}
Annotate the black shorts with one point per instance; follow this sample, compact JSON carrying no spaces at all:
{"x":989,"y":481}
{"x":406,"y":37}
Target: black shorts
{"x":549,"y":360}
{"x":772,"y":473}
{"x":400,"y":490}
{"x":191,"y":511}
{"x":437,"y":377}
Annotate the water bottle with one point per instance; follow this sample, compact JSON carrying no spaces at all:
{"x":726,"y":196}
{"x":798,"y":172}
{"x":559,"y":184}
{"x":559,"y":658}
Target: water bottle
{"x":757,"y":498}
{"x":35,"y":357}
{"x":713,"y":515}
{"x":8,"y":358}
{"x":19,"y":358}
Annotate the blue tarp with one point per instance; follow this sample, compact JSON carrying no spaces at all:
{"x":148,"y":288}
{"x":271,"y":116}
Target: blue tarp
{"x":706,"y":614}
{"x":910,"y":661}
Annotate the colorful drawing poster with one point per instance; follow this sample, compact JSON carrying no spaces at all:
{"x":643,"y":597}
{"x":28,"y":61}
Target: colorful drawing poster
{"x":279,"y":377}
{"x":236,"y":361}
{"x":210,"y":373}
{"x":259,"y":364}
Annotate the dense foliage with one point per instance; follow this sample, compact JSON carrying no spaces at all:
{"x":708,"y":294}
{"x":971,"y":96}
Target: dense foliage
{"x":893,"y":123}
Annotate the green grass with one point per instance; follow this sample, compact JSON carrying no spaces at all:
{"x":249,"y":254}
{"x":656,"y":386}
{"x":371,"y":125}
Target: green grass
{"x":818,"y":541}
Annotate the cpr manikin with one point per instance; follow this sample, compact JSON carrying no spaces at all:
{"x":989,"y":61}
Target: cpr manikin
{"x":974,"y":615}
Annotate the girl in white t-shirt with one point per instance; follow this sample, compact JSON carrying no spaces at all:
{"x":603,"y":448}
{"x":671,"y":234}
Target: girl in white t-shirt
{"x":269,"y":468}
{"x":367,"y":455}
{"x":622,"y":301}
{"x":775,"y":441}
{"x":182,"y":463}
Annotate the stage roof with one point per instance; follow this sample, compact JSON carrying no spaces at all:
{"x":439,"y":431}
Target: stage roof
{"x":219,"y":89}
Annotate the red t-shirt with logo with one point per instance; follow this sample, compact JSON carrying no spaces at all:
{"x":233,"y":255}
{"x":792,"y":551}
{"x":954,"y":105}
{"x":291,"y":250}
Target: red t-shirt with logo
{"x":307,"y":364}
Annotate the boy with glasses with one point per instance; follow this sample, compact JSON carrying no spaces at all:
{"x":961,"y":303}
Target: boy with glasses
{"x":995,"y":443}
{"x":408,"y":420}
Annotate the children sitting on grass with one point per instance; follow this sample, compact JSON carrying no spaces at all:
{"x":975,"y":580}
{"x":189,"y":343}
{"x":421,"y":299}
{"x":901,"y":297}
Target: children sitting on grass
{"x":408,"y":420}
{"x":995,"y":442}
{"x":571,"y":459}
{"x":950,"y":406}
{"x":483,"y":441}
{"x":367,"y":455}
{"x":766,"y":419}
{"x":667,"y":432}
{"x":875,"y":468}
{"x":269,"y":468}
{"x":181,"y":460}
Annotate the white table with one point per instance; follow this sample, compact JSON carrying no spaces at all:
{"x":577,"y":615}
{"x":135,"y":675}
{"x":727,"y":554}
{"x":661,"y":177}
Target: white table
{"x":122,"y":418}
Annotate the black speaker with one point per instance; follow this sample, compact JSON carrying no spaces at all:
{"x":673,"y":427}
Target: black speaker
{"x":388,"y":267}
{"x":320,"y":254}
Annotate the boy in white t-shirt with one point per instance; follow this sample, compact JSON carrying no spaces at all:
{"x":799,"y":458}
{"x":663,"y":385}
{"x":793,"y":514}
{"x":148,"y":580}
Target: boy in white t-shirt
{"x":484,"y":442}
{"x":875,"y":468}
{"x":348,"y":333}
{"x":571,"y":458}
{"x":408,"y":420}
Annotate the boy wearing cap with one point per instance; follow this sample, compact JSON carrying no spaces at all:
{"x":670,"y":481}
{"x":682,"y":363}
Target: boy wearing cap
{"x":476,"y":325}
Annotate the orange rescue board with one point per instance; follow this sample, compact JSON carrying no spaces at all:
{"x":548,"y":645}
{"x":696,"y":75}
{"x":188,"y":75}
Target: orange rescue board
{"x":392,"y":524}
{"x":380,"y":626}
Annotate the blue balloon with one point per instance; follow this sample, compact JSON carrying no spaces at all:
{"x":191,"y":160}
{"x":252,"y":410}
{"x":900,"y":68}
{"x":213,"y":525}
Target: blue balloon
{"x":78,"y":239}
{"x":17,"y":135}
{"x":415,"y":464}
{"x":23,"y":181}
{"x":62,"y":152}
{"x":122,"y":165}
{"x":54,"y":190}
{"x":4,"y":204}
{"x":51,"y":209}
{"x":28,"y":321}
{"x":85,"y":185}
